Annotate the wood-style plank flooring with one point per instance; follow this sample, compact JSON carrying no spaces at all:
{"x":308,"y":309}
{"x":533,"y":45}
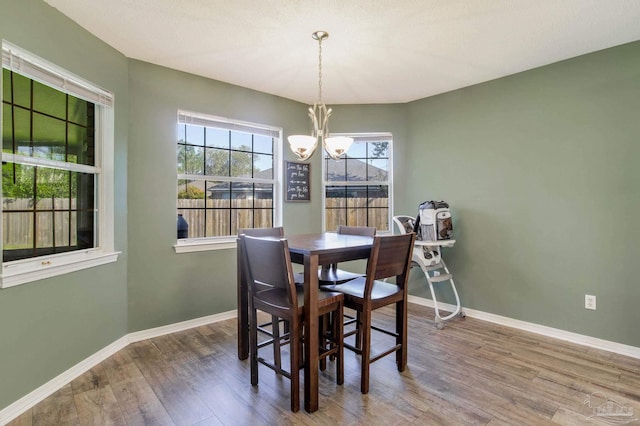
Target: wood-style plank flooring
{"x":472,"y":372}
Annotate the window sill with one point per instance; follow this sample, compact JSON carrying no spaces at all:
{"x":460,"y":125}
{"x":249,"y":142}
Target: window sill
{"x":190,"y":246}
{"x":22,"y":272}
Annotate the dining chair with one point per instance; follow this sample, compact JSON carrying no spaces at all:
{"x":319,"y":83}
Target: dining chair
{"x":268,"y":263}
{"x":390,"y":257}
{"x":331,"y":274}
{"x":270,"y":328}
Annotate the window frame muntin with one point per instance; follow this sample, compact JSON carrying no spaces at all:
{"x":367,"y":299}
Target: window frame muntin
{"x":383,"y":136}
{"x":23,"y":271}
{"x":188,"y":245}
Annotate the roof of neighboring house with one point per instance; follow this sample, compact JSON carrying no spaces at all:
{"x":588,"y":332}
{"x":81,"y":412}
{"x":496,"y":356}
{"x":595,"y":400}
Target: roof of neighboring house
{"x":357,"y":171}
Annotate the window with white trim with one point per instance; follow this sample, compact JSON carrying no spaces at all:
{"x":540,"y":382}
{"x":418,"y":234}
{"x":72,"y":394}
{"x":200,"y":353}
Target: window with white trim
{"x":227,"y":172}
{"x":57,"y":170}
{"x":357,"y":189}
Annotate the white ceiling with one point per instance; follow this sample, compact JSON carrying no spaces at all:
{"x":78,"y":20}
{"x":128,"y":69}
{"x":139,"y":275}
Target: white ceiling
{"x":378,"y":51}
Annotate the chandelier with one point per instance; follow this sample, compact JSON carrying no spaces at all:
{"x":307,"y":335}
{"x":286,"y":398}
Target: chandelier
{"x":304,"y":145}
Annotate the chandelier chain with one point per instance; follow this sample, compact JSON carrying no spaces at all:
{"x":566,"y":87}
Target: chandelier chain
{"x":304,"y":146}
{"x":320,"y":70}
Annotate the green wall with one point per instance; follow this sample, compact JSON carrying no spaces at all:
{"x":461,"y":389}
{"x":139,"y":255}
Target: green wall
{"x":541,"y":170}
{"x":51,"y":325}
{"x":165,"y":287}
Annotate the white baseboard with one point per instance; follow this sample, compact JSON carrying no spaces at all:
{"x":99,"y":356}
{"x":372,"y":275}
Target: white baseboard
{"x":568,"y":336}
{"x":23,"y":404}
{"x":26,"y":402}
{"x":180,"y":326}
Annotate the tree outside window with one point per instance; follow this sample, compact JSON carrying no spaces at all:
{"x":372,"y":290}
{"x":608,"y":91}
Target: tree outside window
{"x":226,"y":176}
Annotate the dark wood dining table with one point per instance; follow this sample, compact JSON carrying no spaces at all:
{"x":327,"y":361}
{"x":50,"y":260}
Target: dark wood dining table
{"x":310,"y":250}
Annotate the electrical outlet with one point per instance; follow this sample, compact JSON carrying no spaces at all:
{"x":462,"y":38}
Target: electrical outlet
{"x":589,"y":302}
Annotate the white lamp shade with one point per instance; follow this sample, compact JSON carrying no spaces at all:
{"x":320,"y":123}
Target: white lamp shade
{"x":337,"y":145}
{"x":303,"y":145}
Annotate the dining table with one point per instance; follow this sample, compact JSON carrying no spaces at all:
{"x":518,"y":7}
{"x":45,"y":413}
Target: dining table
{"x":311,"y":251}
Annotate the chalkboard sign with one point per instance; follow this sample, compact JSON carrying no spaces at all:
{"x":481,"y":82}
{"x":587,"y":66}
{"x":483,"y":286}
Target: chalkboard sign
{"x":297,"y":179}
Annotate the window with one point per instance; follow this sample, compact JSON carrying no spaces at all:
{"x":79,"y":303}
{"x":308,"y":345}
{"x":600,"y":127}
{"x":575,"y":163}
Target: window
{"x":57,"y":162}
{"x":227,"y":179}
{"x":357,"y":188}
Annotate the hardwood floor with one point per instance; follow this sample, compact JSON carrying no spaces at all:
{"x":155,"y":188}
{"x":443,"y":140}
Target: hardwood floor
{"x":472,"y":372}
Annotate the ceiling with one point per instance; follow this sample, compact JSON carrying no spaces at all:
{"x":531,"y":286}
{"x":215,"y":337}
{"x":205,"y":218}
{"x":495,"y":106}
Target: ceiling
{"x":378,"y":51}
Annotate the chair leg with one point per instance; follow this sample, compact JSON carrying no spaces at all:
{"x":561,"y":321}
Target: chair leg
{"x":322,"y":339}
{"x":253,"y":345}
{"x":275,"y":331}
{"x":365,"y":330}
{"x":358,"y":343}
{"x":338,"y":336}
{"x":295,"y":337}
{"x":300,"y":348}
{"x":334,"y":318}
{"x":401,"y":331}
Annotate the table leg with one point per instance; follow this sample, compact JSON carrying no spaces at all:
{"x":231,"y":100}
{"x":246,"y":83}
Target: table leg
{"x":243,"y":310}
{"x":311,"y":354}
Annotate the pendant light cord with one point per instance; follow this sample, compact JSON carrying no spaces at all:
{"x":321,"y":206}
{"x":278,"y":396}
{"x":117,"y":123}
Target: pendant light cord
{"x":320,"y":70}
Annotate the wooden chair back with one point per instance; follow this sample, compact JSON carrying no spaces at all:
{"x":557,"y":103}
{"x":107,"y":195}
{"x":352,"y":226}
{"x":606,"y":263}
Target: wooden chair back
{"x":390,"y":257}
{"x":253,"y":232}
{"x":268,"y":264}
{"x":277,"y":231}
{"x":367,"y":231}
